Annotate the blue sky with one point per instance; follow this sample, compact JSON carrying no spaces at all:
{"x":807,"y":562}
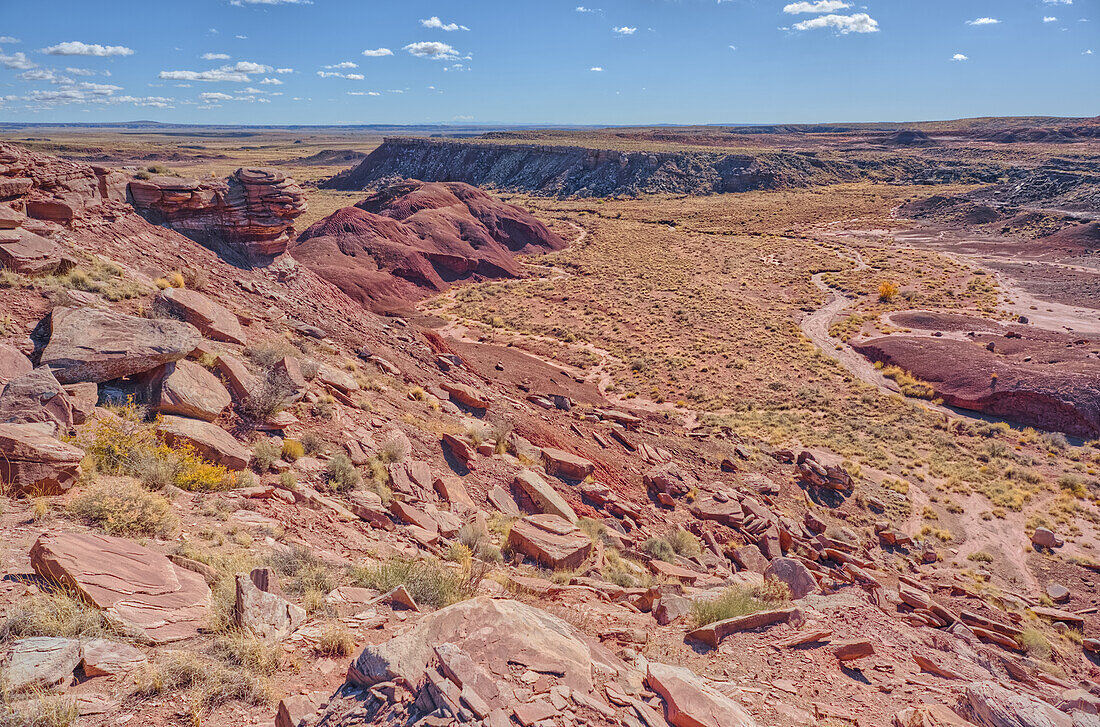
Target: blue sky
{"x":546,"y":61}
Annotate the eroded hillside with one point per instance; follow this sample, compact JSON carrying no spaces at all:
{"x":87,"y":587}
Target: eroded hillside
{"x":639,"y":485}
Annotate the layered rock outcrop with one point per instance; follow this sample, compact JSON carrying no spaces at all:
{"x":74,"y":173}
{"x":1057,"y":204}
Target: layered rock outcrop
{"x":43,"y":187}
{"x":251,"y":212}
{"x":415,"y":238}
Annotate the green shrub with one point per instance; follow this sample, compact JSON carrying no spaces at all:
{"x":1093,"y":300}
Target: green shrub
{"x":264,"y":454}
{"x":51,"y":613}
{"x":427,"y":581}
{"x":293,"y":450}
{"x":341,"y":474}
{"x":660,"y":549}
{"x":121,"y":506}
{"x":313,"y":442}
{"x":129,"y":445}
{"x":737,"y":601}
{"x":684,"y":543}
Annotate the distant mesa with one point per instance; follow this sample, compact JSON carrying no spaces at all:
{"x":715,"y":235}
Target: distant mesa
{"x":326,"y":158}
{"x":251,"y":213}
{"x":412,"y":239}
{"x":574,"y":171}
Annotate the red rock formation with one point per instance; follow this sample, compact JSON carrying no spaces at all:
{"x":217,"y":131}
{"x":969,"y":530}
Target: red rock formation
{"x":47,"y":188}
{"x":1041,"y":379}
{"x":252,"y":211}
{"x":414,"y":238}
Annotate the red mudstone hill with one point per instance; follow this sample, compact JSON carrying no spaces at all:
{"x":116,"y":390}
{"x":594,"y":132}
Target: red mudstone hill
{"x":414,"y":238}
{"x":1044,"y":380}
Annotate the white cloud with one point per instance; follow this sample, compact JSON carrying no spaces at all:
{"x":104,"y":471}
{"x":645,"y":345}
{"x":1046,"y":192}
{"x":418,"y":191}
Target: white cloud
{"x":377,"y":52}
{"x":363,"y":93}
{"x":160,"y":102}
{"x":76,"y":48}
{"x":432,"y":49}
{"x":215,"y":56}
{"x":215,"y":96}
{"x":1058,"y":2}
{"x":983,"y":21}
{"x":733,"y":47}
{"x":583,"y":9}
{"x":83,"y":72}
{"x":17,"y":61}
{"x":7,"y":40}
{"x":624,"y":30}
{"x":959,"y":57}
{"x":821,"y":6}
{"x":215,"y":76}
{"x":337,"y":74}
{"x":597,"y":69}
{"x":40,"y":74}
{"x":844,"y":24}
{"x":1049,"y":19}
{"x":247,"y":67}
{"x":435,"y":22}
{"x":242,"y":3}
{"x":284,"y":70}
{"x":271,"y":82}
{"x":1087,"y":53}
{"x":345,"y":64}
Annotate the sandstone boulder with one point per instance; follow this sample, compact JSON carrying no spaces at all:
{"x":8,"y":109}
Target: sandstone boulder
{"x":209,"y":440}
{"x":795,"y":574}
{"x":491,"y":632}
{"x":545,"y":497}
{"x":241,"y":382}
{"x":559,"y":463}
{"x":102,"y":657}
{"x":712,"y":634}
{"x":36,"y":397}
{"x":690,"y":702}
{"x":92,"y":344}
{"x":1044,"y":538}
{"x":550,"y":540}
{"x":13,"y":363}
{"x":214,"y":320}
{"x":187,"y":389}
{"x":142,"y":592}
{"x":929,"y":715}
{"x":337,"y":379}
{"x":24,"y":252}
{"x":264,"y":614}
{"x":33,"y":462}
{"x":988,"y":704}
{"x":465,"y":395}
{"x":41,"y":662}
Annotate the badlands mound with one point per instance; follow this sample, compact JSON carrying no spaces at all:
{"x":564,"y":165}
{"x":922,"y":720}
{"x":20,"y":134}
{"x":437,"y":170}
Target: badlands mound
{"x":414,"y":238}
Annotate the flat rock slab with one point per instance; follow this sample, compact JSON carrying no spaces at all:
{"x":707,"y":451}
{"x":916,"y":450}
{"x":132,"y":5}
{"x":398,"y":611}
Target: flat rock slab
{"x":560,"y":463}
{"x":712,"y":634}
{"x":41,"y":662}
{"x":102,"y":657}
{"x":24,"y":252}
{"x":209,"y":440}
{"x":92,"y":344}
{"x":213,"y":319}
{"x":138,"y":589}
{"x":545,"y":497}
{"x":552,"y":541}
{"x":690,"y":702}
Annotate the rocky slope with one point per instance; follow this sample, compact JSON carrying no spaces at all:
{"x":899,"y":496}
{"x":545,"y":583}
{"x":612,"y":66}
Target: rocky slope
{"x":567,"y":170}
{"x":362,"y":581}
{"x":414,"y":238}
